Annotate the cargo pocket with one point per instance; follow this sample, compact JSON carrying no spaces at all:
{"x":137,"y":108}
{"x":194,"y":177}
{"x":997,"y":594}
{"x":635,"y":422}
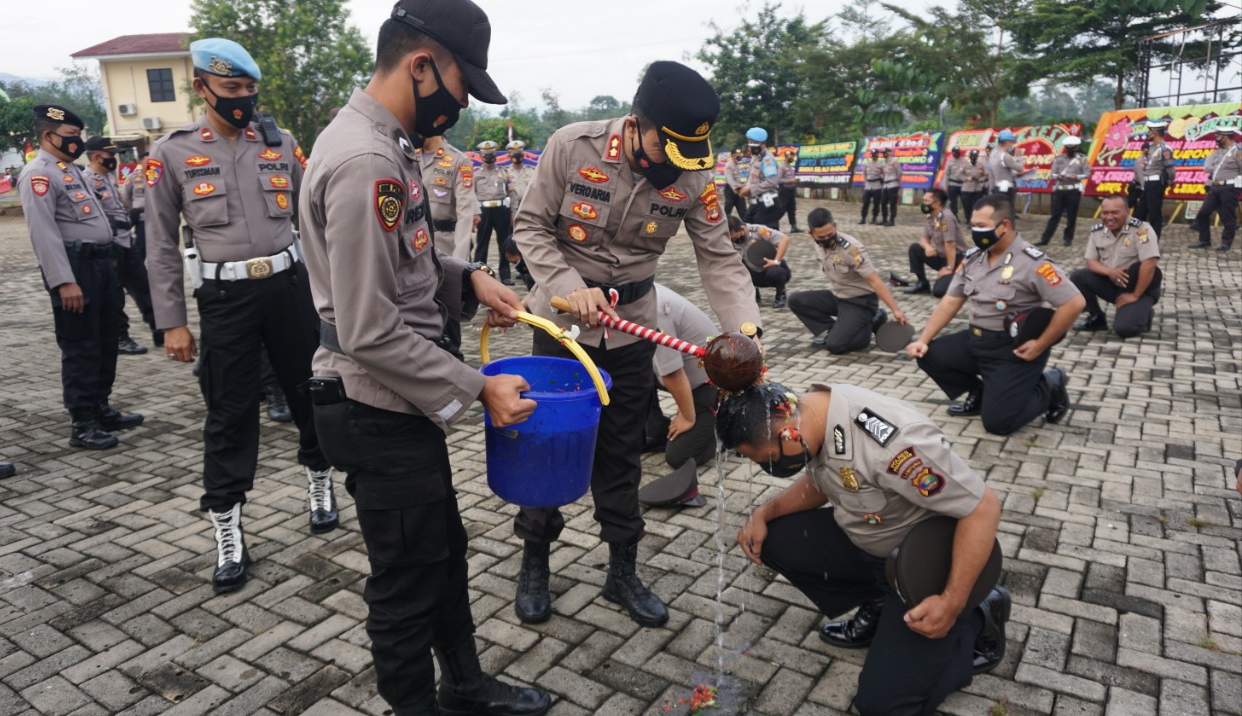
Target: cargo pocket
{"x":277,"y":194}
{"x":206,"y":203}
{"x":582,"y":221}
{"x":654,"y":234}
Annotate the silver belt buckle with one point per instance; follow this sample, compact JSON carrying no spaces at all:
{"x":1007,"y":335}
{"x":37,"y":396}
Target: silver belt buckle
{"x":259,"y":268}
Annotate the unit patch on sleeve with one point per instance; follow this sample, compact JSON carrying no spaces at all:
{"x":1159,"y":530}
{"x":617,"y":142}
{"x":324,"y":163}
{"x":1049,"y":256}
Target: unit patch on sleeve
{"x":389,"y":201}
{"x":899,"y":460}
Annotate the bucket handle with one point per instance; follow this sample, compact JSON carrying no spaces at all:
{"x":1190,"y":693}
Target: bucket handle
{"x":565,"y":337}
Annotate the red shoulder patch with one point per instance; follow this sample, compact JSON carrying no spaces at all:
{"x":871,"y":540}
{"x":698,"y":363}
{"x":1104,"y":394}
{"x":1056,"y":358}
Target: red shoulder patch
{"x":207,"y":134}
{"x":711,"y":202}
{"x":251,"y":135}
{"x":467,"y":176}
{"x":155,"y":170}
{"x":1049,"y":272}
{"x":298,"y":155}
{"x":389,"y":202}
{"x":39,"y":185}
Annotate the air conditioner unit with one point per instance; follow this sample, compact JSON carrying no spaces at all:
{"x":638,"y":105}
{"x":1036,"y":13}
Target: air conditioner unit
{"x":151,"y":123}
{"x":128,"y":110}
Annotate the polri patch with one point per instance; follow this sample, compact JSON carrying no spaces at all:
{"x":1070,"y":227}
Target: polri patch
{"x":877,"y":427}
{"x":39,"y":185}
{"x":1049,"y":272}
{"x":927,"y":482}
{"x":155,"y":170}
{"x":389,"y":202}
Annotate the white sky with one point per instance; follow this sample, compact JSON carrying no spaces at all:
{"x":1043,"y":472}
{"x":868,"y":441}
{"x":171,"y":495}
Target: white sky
{"x":579,"y":50}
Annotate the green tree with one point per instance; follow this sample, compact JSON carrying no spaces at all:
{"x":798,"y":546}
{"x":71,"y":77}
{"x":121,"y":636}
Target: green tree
{"x":311,"y":56}
{"x":78,"y":89}
{"x":15,"y":121}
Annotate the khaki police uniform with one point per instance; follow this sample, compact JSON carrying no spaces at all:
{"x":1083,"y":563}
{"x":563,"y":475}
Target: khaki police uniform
{"x":1135,"y":243}
{"x":131,"y":271}
{"x":72,"y":241}
{"x":1066,"y":194}
{"x":134,"y":197}
{"x":873,"y":191}
{"x":974,"y":185}
{"x":891,"y":172}
{"x":760,"y":276}
{"x":676,"y":316}
{"x":520,"y":178}
{"x":238,"y":200}
{"x":1224,"y":183}
{"x":587,"y":221}
{"x":493,"y":187}
{"x":849,"y":308}
{"x":787,"y":181}
{"x":1157,"y":169}
{"x":450,"y":193}
{"x":1005,"y":169}
{"x":885,"y":467}
{"x":1014,"y":390}
{"x":938,"y":230}
{"x":954,"y":179}
{"x":735,"y":178}
{"x":763,"y":181}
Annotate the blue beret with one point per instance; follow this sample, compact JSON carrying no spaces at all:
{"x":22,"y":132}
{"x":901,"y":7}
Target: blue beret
{"x":1006,"y":136}
{"x":757,"y":134}
{"x":224,"y":58}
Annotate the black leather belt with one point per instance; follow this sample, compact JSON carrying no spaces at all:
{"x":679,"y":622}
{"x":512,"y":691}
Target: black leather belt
{"x":626,"y":293}
{"x":443,"y":225}
{"x":86,"y":250}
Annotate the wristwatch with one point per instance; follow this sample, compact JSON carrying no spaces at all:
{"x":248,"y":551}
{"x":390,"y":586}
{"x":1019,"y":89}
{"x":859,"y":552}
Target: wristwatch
{"x":476,"y":266}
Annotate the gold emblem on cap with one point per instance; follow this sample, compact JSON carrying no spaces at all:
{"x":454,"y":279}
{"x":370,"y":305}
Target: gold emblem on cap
{"x":56,"y":113}
{"x":749,"y":329}
{"x":704,"y":128}
{"x":220,"y":67}
{"x":702,"y":132}
{"x":849,"y":479}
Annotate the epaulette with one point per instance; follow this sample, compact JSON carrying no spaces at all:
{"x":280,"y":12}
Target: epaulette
{"x":972,"y":251}
{"x":843,"y":242}
{"x":1033,"y":252}
{"x":1097,"y":227}
{"x":1133,"y":222}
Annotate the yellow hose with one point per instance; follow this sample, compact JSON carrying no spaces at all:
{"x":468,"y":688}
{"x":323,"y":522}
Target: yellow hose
{"x":561,"y":335}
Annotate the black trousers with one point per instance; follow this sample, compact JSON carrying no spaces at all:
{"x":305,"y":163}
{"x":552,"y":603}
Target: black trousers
{"x":617,"y":469}
{"x":769,"y":216}
{"x":239,"y":320}
{"x":1014,"y":391}
{"x":771,"y":277}
{"x":890,"y":201}
{"x":1064,"y":203}
{"x":88,"y":339}
{"x":873,"y":199}
{"x":905,"y":673}
{"x":920,"y":262}
{"x":1153,"y":198}
{"x":788,"y":197}
{"x":1131,"y":320}
{"x":699,"y":442}
{"x":1224,"y":201}
{"x":735,"y":203}
{"x":397,"y":470}
{"x":848,"y":319}
{"x":968,"y":203}
{"x":955,"y":195}
{"x":494,"y":219}
{"x":131,"y":274}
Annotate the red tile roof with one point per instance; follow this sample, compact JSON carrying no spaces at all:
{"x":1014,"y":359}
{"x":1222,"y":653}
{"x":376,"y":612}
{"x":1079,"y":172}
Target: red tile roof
{"x":139,"y":45}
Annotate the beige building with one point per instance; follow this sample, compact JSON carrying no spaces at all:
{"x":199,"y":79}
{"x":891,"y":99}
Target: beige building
{"x":145,"y":84}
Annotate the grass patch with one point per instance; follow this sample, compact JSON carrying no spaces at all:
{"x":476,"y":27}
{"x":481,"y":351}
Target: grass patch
{"x":1000,"y":708}
{"x":1037,"y":493}
{"x":1197,"y":522}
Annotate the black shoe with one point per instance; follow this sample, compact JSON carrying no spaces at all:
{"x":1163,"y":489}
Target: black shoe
{"x":874,"y":222}
{"x":323,"y":514}
{"x":507,"y":281}
{"x":466,"y":691}
{"x":891,"y":222}
{"x":1222,"y":247}
{"x":111,"y":419}
{"x":1200,"y":245}
{"x":87,"y":433}
{"x":795,"y":230}
{"x":157,"y":338}
{"x":857,"y":632}
{"x":656,"y":443}
{"x":862,"y":221}
{"x":278,"y":406}
{"x":758,"y":297}
{"x":821,"y":340}
{"x":990,"y":645}
{"x":895,"y":280}
{"x":533,"y":603}
{"x":1058,"y":380}
{"x":1092,"y":322}
{"x":1069,"y":242}
{"x":624,"y":587}
{"x":232,"y":559}
{"x":878,"y":319}
{"x":128,"y":347}
{"x":7,"y":470}
{"x":920,"y":287}
{"x":780,"y":301}
{"x":1043,"y":242}
{"x":970,"y":406}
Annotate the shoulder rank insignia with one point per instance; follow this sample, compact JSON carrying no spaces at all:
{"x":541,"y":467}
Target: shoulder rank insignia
{"x":206,"y":134}
{"x":875,"y":426}
{"x":1134,"y":222}
{"x":838,"y":439}
{"x":63,"y":167}
{"x":1097,"y":227}
{"x":613,"y":153}
{"x":251,"y":135}
{"x":843,"y":242}
{"x":973,"y":251}
{"x":1033,"y":252}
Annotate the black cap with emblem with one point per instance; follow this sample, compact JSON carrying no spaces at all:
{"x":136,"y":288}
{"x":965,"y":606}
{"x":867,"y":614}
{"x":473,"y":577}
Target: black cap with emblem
{"x":683,"y":107}
{"x":1029,"y":325}
{"x":680,"y":487}
{"x":463,"y":29}
{"x":101,"y":144}
{"x":920,"y":567}
{"x":58,"y":115}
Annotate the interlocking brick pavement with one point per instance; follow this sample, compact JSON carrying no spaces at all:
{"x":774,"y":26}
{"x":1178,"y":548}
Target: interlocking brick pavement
{"x":1120,"y":533}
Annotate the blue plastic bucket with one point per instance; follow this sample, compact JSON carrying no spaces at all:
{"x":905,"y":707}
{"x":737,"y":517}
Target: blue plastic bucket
{"x":545,"y":461}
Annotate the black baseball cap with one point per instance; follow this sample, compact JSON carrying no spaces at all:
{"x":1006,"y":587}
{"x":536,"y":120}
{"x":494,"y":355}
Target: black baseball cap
{"x":463,"y":29}
{"x":101,"y":144}
{"x":59,"y":115}
{"x":683,"y":107}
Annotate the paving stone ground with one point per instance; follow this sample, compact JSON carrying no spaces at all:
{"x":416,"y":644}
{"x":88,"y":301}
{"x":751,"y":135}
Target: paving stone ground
{"x":1120,"y":533}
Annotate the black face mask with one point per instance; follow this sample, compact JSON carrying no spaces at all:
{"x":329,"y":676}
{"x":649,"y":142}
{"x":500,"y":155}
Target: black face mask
{"x":109,"y":164}
{"x":489,"y":158}
{"x":516,"y":158}
{"x":827,"y":243}
{"x":1220,"y":142}
{"x":438,"y":111}
{"x":787,"y":465}
{"x":1071,"y":151}
{"x":237,"y":111}
{"x":984,"y":238}
{"x":957,"y":154}
{"x":925,"y":208}
{"x":756,"y":150}
{"x":70,"y":146}
{"x":974,"y":159}
{"x":660,"y":176}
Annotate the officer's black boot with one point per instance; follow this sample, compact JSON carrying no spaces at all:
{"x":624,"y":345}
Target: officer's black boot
{"x":88,"y":433}
{"x":878,"y":318}
{"x":625,"y":588}
{"x":466,"y":691}
{"x":781,"y":299}
{"x":111,"y":419}
{"x":1058,"y":381}
{"x":858,"y":631}
{"x":231,"y":555}
{"x":990,"y":644}
{"x":323,"y":514}
{"x":1092,"y":322}
{"x":972,"y":405}
{"x":277,"y":406}
{"x":533,"y":603}
{"x":127,"y":346}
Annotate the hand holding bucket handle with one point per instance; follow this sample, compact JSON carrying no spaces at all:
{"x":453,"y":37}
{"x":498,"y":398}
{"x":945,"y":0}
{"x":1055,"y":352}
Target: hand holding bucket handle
{"x":566,"y":338}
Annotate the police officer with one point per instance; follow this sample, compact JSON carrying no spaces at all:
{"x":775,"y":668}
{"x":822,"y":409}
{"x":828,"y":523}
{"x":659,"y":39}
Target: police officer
{"x":493,"y":187}
{"x":134,"y":198}
{"x":844,"y":316}
{"x":237,"y":189}
{"x":1068,"y":172}
{"x":1005,"y":168}
{"x":941,"y":246}
{"x":1157,"y":169}
{"x":974,"y":181}
{"x":521,"y":174}
{"x":72,"y":240}
{"x":954,"y":178}
{"x":1123,"y":254}
{"x":885,"y":467}
{"x":891,"y":172}
{"x":449,"y":175}
{"x":787,"y":181}
{"x":761,"y":182}
{"x":607,"y":198}
{"x":691,"y":434}
{"x":1003,"y":277}
{"x":1224,"y":171}
{"x":774,"y":272}
{"x":384,"y":391}
{"x":131,"y":274}
{"x":873,"y":189}
{"x":735,"y":179}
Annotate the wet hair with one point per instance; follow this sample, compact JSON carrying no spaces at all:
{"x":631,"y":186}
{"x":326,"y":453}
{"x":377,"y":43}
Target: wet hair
{"x":746,"y":417}
{"x":818,"y":217}
{"x":396,"y":40}
{"x":939,"y":195}
{"x":1001,"y":205}
{"x":735,"y":224}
